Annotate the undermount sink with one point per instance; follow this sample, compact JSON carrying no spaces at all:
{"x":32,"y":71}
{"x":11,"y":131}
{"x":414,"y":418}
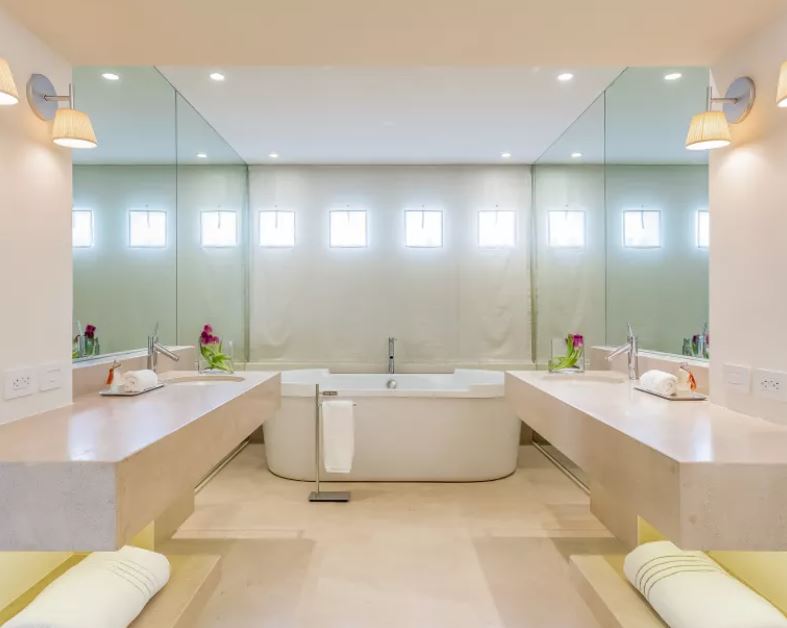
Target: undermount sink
{"x":198,"y":379}
{"x":596,"y":377}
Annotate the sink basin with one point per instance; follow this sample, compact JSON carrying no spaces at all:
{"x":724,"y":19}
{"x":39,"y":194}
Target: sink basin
{"x":198,"y":379}
{"x":595,"y":377}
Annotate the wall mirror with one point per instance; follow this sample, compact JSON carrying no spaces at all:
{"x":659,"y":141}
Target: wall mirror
{"x":159,"y":219}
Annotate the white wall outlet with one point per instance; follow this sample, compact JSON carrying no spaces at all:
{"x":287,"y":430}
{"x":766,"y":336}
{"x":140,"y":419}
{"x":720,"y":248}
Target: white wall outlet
{"x":19,"y":383}
{"x":770,"y":384}
{"x":737,"y":378}
{"x":50,"y":377}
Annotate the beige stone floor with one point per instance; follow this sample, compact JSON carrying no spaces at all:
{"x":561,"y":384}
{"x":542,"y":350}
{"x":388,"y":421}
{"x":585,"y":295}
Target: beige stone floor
{"x":423,"y":555}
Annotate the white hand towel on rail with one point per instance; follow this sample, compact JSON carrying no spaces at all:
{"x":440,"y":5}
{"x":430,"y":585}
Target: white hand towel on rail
{"x":660,"y":382}
{"x":105,"y":590}
{"x":689,"y":590}
{"x":338,"y":435}
{"x":137,"y":381}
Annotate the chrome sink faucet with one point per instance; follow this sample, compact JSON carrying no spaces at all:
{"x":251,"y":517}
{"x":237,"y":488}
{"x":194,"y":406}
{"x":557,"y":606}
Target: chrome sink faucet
{"x":632,"y":349}
{"x":391,"y":355}
{"x":154,"y":348}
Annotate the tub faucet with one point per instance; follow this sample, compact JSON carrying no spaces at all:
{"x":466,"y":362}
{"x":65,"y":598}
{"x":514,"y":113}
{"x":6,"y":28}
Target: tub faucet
{"x":154,"y":348}
{"x":391,"y":355}
{"x":632,"y":349}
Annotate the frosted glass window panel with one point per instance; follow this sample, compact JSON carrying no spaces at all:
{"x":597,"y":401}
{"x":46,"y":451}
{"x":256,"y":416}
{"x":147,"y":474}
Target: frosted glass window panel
{"x":703,"y":229}
{"x":82,"y":228}
{"x":147,"y":228}
{"x":642,"y":228}
{"x":348,"y":228}
{"x":277,"y":229}
{"x":567,"y":229}
{"x":219,"y":228}
{"x":497,"y":229}
{"x":423,"y":228}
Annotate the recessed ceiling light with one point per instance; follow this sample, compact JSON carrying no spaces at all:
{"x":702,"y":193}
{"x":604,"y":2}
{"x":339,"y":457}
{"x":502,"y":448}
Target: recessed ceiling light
{"x":505,"y":155}
{"x":217,"y":76}
{"x":576,"y":155}
{"x":202,"y":155}
{"x":111,"y":76}
{"x":565,"y":77}
{"x":273,"y":155}
{"x":673,"y":76}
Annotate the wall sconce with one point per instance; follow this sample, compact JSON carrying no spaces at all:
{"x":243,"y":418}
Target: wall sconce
{"x":8,"y":93}
{"x":71,"y":128}
{"x":710,"y":129}
{"x":781,"y":92}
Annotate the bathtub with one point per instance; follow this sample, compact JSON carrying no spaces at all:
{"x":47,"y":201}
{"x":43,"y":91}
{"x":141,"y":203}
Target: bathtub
{"x":431,"y":428}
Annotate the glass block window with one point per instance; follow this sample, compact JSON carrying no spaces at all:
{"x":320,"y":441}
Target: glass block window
{"x":642,"y":228}
{"x":703,"y":229}
{"x":497,"y":229}
{"x":423,"y":228}
{"x":147,"y":228}
{"x":82,"y":228}
{"x":348,"y":228}
{"x":277,"y":229}
{"x":567,"y":229}
{"x":219,"y":228}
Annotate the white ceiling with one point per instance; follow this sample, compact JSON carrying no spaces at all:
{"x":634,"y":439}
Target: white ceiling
{"x":340,"y":115}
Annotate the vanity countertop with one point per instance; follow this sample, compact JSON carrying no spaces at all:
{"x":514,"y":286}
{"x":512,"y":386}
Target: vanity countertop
{"x":704,"y":475}
{"x":91,"y":475}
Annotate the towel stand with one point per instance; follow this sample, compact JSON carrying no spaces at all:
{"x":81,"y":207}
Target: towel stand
{"x":317,"y":495}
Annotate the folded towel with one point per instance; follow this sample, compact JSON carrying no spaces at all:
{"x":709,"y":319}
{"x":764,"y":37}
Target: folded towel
{"x":137,"y":381}
{"x":105,"y":590}
{"x":689,"y":590}
{"x":659,"y":382}
{"x":338,"y":435}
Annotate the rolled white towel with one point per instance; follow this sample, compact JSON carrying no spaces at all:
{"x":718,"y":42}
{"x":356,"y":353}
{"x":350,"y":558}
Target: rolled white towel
{"x":338,"y":435}
{"x":137,"y":381}
{"x":660,"y":382}
{"x":105,"y":590}
{"x":689,"y":590}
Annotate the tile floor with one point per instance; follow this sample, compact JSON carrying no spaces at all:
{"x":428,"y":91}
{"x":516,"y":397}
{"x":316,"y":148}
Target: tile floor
{"x":480,"y":555}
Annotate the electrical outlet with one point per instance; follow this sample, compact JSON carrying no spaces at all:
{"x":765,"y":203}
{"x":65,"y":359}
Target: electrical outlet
{"x":50,"y":377}
{"x":770,"y":384}
{"x":19,"y":383}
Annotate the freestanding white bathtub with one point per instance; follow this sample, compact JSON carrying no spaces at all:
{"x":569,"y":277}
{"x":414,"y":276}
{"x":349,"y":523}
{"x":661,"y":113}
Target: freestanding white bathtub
{"x":439,"y":428}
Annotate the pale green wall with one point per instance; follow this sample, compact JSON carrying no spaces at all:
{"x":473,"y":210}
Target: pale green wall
{"x":663,"y":291}
{"x":569,"y":283}
{"x":211,"y":281}
{"x":125,"y":291}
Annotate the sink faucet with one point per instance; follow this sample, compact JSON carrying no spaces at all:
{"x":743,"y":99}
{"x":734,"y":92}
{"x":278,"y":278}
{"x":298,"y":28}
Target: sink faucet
{"x":154,"y":348}
{"x":391,"y":355}
{"x":632,"y":349}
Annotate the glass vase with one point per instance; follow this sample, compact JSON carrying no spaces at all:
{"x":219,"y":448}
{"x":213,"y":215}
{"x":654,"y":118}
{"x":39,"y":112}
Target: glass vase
{"x":567,"y":355}
{"x":217,"y":361}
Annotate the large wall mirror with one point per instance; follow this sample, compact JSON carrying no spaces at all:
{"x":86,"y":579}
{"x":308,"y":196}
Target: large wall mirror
{"x":621,"y":219}
{"x":159,"y":223}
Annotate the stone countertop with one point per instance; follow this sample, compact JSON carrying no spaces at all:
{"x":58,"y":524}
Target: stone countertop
{"x":91,"y":475}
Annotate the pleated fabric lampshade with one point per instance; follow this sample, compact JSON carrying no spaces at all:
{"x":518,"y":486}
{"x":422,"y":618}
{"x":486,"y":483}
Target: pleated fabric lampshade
{"x":708,"y":130}
{"x":781,"y":92}
{"x":8,"y":93}
{"x":73,"y":129}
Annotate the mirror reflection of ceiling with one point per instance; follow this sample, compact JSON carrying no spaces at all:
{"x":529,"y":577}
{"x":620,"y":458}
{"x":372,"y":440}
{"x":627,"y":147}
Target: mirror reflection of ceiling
{"x":641,"y":119}
{"x":139,"y":119}
{"x":341,"y":115}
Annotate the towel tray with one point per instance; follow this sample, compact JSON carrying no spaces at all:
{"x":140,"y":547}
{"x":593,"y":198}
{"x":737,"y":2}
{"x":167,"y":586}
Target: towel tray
{"x":110,"y":393}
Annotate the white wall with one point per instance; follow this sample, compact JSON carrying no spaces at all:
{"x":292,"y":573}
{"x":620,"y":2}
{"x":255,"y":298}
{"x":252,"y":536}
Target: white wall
{"x":35,"y":259}
{"x":748,"y":198}
{"x":35,"y":237}
{"x":457,"y":305}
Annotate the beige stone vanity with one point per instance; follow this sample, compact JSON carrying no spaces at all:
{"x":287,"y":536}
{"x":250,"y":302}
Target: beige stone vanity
{"x":90,"y":476}
{"x":705,"y":476}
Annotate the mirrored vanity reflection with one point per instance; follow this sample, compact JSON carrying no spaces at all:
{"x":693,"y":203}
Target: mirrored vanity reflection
{"x":622,"y":222}
{"x":159,"y":222}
